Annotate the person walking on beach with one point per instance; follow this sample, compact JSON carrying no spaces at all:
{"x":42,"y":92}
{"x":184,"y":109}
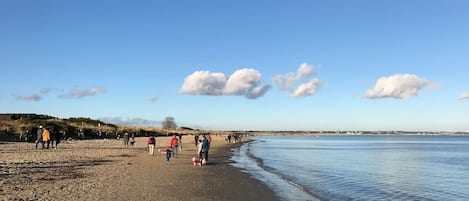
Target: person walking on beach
{"x":151,"y":144}
{"x":236,"y":135}
{"x":204,"y":148}
{"x":196,"y":139}
{"x":168,"y":155}
{"x":132,"y":139}
{"x":23,"y":136}
{"x":39,"y":137}
{"x":180,"y":142}
{"x":29,"y":136}
{"x":51,"y":137}
{"x":45,"y":138}
{"x":229,"y":138}
{"x":199,"y":150}
{"x":126,"y":139}
{"x":57,"y":136}
{"x":209,"y":138}
{"x":174,"y":145}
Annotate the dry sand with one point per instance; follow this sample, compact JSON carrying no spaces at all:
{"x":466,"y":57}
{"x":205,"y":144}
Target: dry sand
{"x":106,"y":170}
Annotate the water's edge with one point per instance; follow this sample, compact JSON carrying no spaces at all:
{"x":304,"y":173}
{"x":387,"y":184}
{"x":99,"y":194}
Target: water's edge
{"x":358,"y":167}
{"x":281,"y":186}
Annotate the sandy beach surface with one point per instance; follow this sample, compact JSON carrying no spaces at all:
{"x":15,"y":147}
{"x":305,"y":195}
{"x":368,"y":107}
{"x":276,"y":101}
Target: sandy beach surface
{"x":107,"y":170}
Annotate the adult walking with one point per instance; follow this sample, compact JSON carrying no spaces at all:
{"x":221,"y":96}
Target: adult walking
{"x":174,"y":145}
{"x":196,"y":139}
{"x":151,"y":143}
{"x":39,"y":137}
{"x":51,"y":136}
{"x":126,"y":139}
{"x":204,"y":148}
{"x":57,"y":137}
{"x":45,"y":138}
{"x":180,"y":142}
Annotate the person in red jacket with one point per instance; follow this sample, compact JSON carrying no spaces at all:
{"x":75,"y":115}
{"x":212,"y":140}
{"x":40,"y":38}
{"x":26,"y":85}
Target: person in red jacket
{"x":174,"y":143}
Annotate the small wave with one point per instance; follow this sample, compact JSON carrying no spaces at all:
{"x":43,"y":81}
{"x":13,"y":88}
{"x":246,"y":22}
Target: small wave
{"x":282,"y":185}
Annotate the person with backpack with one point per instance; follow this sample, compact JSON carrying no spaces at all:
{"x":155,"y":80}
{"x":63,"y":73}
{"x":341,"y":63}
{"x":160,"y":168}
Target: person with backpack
{"x":151,"y":144}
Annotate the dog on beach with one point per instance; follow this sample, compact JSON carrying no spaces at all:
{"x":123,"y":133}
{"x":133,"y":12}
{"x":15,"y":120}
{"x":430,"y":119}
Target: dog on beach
{"x":204,"y":162}
{"x":162,"y":151}
{"x":199,"y":162}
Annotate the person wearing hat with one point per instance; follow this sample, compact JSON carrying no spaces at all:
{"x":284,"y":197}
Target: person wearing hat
{"x":39,"y":137}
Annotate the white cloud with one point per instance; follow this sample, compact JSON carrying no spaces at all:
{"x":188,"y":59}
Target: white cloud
{"x":399,"y":86}
{"x":305,"y":70}
{"x":204,"y":83}
{"x":284,"y":82}
{"x":242,"y":82}
{"x":306,"y":89}
{"x":257,"y":92}
{"x":464,"y":96}
{"x":30,"y":97}
{"x":80,"y":93}
{"x":287,"y":81}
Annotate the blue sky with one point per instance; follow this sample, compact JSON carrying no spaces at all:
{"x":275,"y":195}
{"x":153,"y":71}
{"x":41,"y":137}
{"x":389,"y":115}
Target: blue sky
{"x":240,"y":65}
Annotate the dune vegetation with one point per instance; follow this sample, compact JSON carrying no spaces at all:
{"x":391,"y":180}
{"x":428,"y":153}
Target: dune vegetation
{"x":15,"y":127}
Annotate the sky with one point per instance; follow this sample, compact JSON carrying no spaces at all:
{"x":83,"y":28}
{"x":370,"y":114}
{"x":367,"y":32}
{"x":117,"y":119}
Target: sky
{"x":298,"y":65}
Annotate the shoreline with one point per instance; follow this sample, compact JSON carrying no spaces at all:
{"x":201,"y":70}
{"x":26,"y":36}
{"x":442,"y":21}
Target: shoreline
{"x":106,"y":170}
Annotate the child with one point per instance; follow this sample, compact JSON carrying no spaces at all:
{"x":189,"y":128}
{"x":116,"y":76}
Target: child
{"x":168,"y":155}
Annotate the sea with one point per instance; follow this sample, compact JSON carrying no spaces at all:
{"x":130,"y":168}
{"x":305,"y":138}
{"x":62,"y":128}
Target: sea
{"x":362,"y":167}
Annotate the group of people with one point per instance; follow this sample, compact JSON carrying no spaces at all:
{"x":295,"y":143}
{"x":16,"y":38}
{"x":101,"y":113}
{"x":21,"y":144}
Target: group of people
{"x":203,"y":147}
{"x":129,"y":139}
{"x":235,"y":136}
{"x":46,"y":137}
{"x":175,"y":145}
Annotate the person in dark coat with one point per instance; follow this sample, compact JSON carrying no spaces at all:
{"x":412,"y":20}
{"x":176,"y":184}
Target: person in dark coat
{"x":39,"y":136}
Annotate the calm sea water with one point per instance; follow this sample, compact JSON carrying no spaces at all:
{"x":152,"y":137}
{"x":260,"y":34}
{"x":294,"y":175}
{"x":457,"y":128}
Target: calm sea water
{"x":359,"y":167}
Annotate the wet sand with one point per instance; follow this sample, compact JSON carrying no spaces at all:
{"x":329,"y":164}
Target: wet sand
{"x":107,"y":170}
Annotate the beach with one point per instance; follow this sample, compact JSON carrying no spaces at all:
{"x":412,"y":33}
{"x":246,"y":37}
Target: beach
{"x":104,"y":169}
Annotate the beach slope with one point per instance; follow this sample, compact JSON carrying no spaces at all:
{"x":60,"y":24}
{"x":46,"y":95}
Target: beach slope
{"x":107,"y":170}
